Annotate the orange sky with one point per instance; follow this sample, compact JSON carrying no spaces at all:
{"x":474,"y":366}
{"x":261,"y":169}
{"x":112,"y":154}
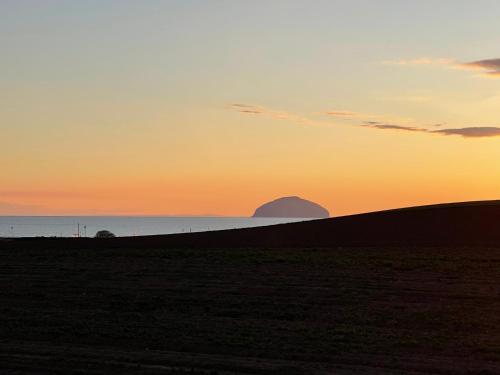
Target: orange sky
{"x":215,"y":109}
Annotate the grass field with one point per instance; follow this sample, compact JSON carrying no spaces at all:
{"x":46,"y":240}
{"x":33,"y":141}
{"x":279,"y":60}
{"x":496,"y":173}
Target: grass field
{"x":287,"y":311}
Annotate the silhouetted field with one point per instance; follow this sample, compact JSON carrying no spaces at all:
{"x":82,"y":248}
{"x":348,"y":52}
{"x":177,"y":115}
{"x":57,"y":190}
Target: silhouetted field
{"x":362,"y":310}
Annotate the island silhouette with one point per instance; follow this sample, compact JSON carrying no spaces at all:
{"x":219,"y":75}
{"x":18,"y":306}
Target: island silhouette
{"x":292,"y":207}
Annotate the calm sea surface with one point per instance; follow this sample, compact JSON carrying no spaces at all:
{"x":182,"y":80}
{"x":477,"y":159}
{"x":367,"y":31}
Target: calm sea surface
{"x":68,"y":226}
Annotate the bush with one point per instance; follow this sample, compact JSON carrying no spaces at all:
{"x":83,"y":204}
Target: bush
{"x":104,"y":234}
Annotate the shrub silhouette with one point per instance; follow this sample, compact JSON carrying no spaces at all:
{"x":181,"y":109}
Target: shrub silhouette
{"x":104,"y":234}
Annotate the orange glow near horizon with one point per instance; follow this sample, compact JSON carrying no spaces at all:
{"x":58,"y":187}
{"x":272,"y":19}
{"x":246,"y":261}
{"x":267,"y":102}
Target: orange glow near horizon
{"x":342,"y":191}
{"x":193,"y":110}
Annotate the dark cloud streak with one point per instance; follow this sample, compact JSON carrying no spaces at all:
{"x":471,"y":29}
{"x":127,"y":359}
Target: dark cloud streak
{"x":471,"y":132}
{"x":488,"y":68}
{"x":467,"y":132}
{"x":491,"y":67}
{"x":377,"y":125}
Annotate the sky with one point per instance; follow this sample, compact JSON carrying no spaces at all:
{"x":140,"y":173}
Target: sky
{"x":215,"y":107}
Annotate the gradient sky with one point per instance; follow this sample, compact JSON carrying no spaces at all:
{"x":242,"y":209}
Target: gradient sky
{"x":214,"y":107}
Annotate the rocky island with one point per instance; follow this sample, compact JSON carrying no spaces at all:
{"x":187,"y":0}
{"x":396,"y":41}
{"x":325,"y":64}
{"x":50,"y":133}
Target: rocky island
{"x":293,"y":207}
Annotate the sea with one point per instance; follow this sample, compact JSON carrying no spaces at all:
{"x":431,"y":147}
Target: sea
{"x":87,"y":226}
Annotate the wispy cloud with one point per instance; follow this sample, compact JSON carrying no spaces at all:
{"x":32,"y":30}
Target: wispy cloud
{"x":368,"y":117}
{"x":257,"y":110}
{"x":376,"y":122}
{"x":336,"y":113}
{"x":246,"y":108}
{"x":488,"y":68}
{"x":341,"y":116}
{"x":378,"y":125}
{"x":467,"y":132}
{"x":471,"y":132}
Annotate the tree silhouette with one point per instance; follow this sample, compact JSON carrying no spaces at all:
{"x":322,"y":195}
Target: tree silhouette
{"x":104,"y":234}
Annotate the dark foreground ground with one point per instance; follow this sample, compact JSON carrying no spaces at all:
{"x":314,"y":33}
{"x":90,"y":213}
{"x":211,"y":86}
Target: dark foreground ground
{"x":288,"y":311}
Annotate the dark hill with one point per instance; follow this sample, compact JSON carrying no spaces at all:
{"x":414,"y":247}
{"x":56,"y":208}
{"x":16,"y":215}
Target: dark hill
{"x":291,"y":207}
{"x":470,"y":223}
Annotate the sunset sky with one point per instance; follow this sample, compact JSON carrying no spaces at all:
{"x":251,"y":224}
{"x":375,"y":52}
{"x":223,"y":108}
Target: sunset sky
{"x":214,"y":107}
